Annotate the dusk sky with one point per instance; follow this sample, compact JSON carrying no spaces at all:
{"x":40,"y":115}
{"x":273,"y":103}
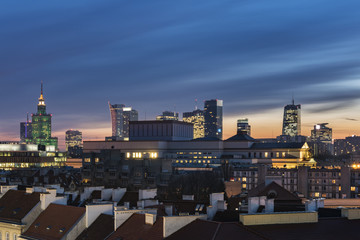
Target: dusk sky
{"x":162,"y":55}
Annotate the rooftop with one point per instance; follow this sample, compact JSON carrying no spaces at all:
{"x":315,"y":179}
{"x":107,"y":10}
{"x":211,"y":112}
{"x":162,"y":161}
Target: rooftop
{"x":15,"y":205}
{"x":54,"y":222}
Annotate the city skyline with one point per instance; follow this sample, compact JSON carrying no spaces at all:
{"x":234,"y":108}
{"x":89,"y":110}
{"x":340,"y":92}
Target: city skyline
{"x":253,"y":56}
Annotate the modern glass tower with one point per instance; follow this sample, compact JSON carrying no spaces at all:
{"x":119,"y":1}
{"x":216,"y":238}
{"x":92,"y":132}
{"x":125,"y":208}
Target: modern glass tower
{"x":213,"y":116}
{"x":25,"y":130}
{"x":73,"y":138}
{"x":41,"y":125}
{"x":196,"y":117}
{"x":120,"y":117}
{"x":243,"y":126}
{"x":292,"y":120}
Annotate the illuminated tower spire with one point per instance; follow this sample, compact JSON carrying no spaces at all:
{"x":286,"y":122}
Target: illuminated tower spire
{"x":41,"y":98}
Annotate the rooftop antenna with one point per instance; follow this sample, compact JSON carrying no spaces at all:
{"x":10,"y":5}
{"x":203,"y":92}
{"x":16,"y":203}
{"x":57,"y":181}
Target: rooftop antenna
{"x":41,"y":87}
{"x":27,"y":117}
{"x":293,"y":101}
{"x":196,"y":106}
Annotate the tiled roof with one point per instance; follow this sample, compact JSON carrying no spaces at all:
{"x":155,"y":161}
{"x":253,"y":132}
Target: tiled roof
{"x":241,"y":137}
{"x":208,"y":230}
{"x":135,"y":228}
{"x":15,"y":205}
{"x":54,"y":222}
{"x":276,"y":190}
{"x":329,"y":229}
{"x":99,"y":229}
{"x":277,"y":145}
{"x":131,"y":197}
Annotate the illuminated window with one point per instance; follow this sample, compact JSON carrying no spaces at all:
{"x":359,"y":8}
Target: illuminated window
{"x":266,"y":154}
{"x":87,"y":159}
{"x":317,"y":194}
{"x":277,"y":154}
{"x":339,"y":188}
{"x":127,"y":155}
{"x":208,"y":161}
{"x":283,"y":154}
{"x":244,"y":185}
{"x":353,"y":189}
{"x":97,"y":159}
{"x":333,"y":181}
{"x":244,"y":179}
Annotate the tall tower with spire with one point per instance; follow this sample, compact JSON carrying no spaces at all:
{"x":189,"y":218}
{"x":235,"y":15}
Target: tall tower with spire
{"x":41,"y":125}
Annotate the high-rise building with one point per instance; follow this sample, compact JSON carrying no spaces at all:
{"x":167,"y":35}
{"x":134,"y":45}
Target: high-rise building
{"x":213,"y":116}
{"x":243,"y":126}
{"x":41,"y":125}
{"x":120,"y":117}
{"x":73,"y":138}
{"x":25,"y":130}
{"x":73,"y":143}
{"x":292,"y":120}
{"x":167,"y":115}
{"x":321,"y":133}
{"x":321,"y":137}
{"x":196,"y":117}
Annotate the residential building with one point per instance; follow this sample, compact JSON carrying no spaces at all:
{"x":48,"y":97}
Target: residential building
{"x":41,"y":125}
{"x":57,"y":222}
{"x":196,"y":117}
{"x":18,"y":210}
{"x":349,"y":145}
{"x":168,"y":115}
{"x":120,"y":117}
{"x":292,"y":120}
{"x":213,"y":117}
{"x":243,"y":126}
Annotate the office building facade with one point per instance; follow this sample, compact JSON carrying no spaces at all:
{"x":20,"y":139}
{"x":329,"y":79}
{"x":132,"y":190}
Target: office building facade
{"x":243,"y":126}
{"x":196,"y":117}
{"x":292,"y":120}
{"x":120,"y":117}
{"x":321,"y":138}
{"x":349,"y":145}
{"x":167,"y":115}
{"x":213,"y":117}
{"x":25,"y":130}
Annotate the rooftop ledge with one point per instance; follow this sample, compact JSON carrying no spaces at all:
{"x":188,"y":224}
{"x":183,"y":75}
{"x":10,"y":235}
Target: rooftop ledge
{"x":279,"y":218}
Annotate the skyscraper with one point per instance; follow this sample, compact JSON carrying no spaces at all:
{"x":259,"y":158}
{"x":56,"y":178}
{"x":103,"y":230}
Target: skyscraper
{"x":73,"y":143}
{"x":321,"y":137}
{"x":120,"y":117}
{"x":73,"y":138}
{"x":41,"y":125}
{"x":292,"y":120}
{"x":25,"y":130}
{"x":243,"y":126}
{"x":196,"y":117}
{"x":167,"y":115}
{"x":213,"y":116}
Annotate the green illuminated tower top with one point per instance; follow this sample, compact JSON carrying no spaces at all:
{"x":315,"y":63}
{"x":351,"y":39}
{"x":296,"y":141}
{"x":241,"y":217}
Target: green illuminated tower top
{"x":41,"y":124}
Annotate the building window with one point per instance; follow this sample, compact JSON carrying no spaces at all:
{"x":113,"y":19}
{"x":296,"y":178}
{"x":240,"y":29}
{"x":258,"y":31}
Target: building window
{"x":97,"y":160}
{"x":277,"y":154}
{"x":87,"y":159}
{"x":353,"y":189}
{"x":15,"y":237}
{"x":266,"y":154}
{"x":7,"y":236}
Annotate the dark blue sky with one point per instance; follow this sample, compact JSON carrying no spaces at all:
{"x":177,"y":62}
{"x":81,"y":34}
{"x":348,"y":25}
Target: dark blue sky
{"x":161,"y":55}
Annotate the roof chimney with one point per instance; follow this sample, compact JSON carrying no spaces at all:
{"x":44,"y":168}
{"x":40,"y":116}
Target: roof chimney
{"x":150,"y":218}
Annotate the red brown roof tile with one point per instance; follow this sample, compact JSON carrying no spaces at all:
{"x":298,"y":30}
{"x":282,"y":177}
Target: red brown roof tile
{"x":54,"y":222}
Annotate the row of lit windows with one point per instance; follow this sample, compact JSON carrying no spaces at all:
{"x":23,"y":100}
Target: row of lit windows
{"x":193,"y":161}
{"x":140,"y":155}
